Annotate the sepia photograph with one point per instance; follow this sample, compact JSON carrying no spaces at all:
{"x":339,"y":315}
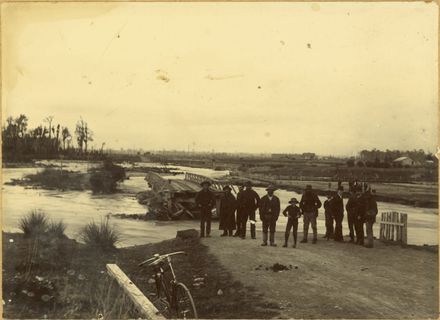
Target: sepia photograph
{"x":220,"y":160}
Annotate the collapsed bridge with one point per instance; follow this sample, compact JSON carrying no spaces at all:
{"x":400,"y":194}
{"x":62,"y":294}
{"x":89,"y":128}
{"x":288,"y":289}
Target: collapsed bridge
{"x":177,"y":196}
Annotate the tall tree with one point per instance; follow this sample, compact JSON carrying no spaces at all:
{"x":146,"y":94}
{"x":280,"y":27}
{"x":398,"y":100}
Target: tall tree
{"x":65,"y":134}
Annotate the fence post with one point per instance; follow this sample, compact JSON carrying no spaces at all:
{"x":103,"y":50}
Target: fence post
{"x":405,"y":228}
{"x":381,"y":233}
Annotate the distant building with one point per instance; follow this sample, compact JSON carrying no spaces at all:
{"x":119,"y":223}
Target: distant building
{"x":308,"y":155}
{"x":404,"y":161}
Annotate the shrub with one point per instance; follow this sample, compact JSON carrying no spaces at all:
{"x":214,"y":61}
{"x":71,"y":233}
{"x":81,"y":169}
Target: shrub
{"x":57,"y":229}
{"x":35,"y":223}
{"x":101,"y":235}
{"x":106,"y":178}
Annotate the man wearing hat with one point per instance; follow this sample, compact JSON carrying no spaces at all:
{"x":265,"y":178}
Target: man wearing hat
{"x":309,"y":205}
{"x":240,"y":216}
{"x":292,"y":212}
{"x":205,"y":200}
{"x":269,"y":213}
{"x":329,"y":220}
{"x":338,"y":213}
{"x":228,"y":205}
{"x":249,"y":203}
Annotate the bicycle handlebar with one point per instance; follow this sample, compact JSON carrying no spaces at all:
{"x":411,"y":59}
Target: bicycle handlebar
{"x":157,"y":257}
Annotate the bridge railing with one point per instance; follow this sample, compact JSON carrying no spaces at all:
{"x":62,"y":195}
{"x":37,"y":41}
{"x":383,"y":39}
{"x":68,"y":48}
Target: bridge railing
{"x":197,"y":178}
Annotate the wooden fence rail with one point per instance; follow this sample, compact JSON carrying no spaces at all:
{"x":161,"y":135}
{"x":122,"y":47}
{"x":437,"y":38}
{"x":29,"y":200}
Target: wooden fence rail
{"x":393,"y":227}
{"x":142,"y":303}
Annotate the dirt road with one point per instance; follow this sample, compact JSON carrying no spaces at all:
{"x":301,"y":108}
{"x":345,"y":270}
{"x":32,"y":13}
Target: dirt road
{"x":335,"y":280}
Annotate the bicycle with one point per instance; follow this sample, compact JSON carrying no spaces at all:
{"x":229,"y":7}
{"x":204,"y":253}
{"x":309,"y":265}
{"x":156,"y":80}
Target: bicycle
{"x":175,"y":298}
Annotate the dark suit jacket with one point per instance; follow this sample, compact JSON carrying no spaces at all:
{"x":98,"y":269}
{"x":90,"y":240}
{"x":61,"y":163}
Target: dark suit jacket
{"x":269,"y":208}
{"x":337,"y":207}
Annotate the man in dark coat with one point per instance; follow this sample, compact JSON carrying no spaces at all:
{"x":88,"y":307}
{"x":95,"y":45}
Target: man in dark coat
{"x":370,"y":216}
{"x":309,"y":205}
{"x":228,"y":205}
{"x":351,"y":207}
{"x":359,"y":217}
{"x":269,"y":213}
{"x":338,"y":214}
{"x":205,"y":200}
{"x":240,"y":216}
{"x":250,"y":201}
{"x":329,"y":228}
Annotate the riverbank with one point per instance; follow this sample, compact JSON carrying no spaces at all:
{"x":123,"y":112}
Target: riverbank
{"x":327,"y":280}
{"x":66,"y":279}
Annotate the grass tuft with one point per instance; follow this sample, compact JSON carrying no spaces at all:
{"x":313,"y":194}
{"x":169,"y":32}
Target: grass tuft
{"x":57,"y":229}
{"x":101,"y":235}
{"x":35,"y":223}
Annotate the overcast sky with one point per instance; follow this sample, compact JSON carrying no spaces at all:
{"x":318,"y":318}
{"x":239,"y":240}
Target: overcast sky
{"x":330,"y":78}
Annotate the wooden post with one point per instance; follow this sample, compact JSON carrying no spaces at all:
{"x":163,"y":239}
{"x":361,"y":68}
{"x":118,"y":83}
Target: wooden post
{"x":381,"y":232}
{"x":393,"y":227}
{"x":143,"y":305}
{"x":405,"y":228}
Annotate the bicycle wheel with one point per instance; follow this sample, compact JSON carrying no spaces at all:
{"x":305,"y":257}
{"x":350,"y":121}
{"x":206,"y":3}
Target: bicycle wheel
{"x":184,"y":303}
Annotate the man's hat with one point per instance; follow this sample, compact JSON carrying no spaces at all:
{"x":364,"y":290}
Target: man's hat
{"x":248,"y":183}
{"x":293,"y":201}
{"x":309,"y":187}
{"x":271,"y":187}
{"x":227,"y":188}
{"x":340,"y":188}
{"x":207,"y":182}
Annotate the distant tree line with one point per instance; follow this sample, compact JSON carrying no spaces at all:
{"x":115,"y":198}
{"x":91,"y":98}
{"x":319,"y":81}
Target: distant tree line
{"x":47,"y":141}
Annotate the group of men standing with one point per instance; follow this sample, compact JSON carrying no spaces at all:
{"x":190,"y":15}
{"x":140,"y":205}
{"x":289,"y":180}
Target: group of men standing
{"x":361,"y":208}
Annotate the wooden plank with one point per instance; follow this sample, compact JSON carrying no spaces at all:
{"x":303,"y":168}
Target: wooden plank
{"x":382,"y":227}
{"x":399,"y":228}
{"x":405,"y":228}
{"x":392,"y":223}
{"x":393,"y":228}
{"x":143,"y":305}
{"x":388,"y":226}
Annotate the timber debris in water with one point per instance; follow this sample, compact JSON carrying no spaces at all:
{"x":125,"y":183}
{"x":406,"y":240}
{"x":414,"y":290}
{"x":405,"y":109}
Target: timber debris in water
{"x":175,"y":198}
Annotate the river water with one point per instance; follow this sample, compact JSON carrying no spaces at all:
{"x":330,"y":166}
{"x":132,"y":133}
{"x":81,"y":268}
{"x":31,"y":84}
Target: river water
{"x":76,"y":208}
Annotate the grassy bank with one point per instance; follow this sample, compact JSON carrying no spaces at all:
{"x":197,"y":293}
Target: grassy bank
{"x":66,"y":279}
{"x":103,"y":179}
{"x":55,"y":179}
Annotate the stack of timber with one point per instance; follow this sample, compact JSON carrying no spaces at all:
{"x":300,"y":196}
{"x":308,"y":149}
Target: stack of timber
{"x":178,"y":195}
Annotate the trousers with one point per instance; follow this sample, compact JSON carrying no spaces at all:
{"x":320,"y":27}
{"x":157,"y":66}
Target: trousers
{"x":329,"y":230}
{"x":370,"y":237}
{"x":291,"y":224}
{"x":310,"y":218}
{"x":338,"y":228}
{"x":248,"y":214}
{"x":351,"y":218}
{"x":205,"y":221}
{"x":359,"y":227}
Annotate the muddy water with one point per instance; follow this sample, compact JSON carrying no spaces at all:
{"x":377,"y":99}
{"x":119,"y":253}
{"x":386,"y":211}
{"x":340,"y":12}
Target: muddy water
{"x":76,"y":208}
